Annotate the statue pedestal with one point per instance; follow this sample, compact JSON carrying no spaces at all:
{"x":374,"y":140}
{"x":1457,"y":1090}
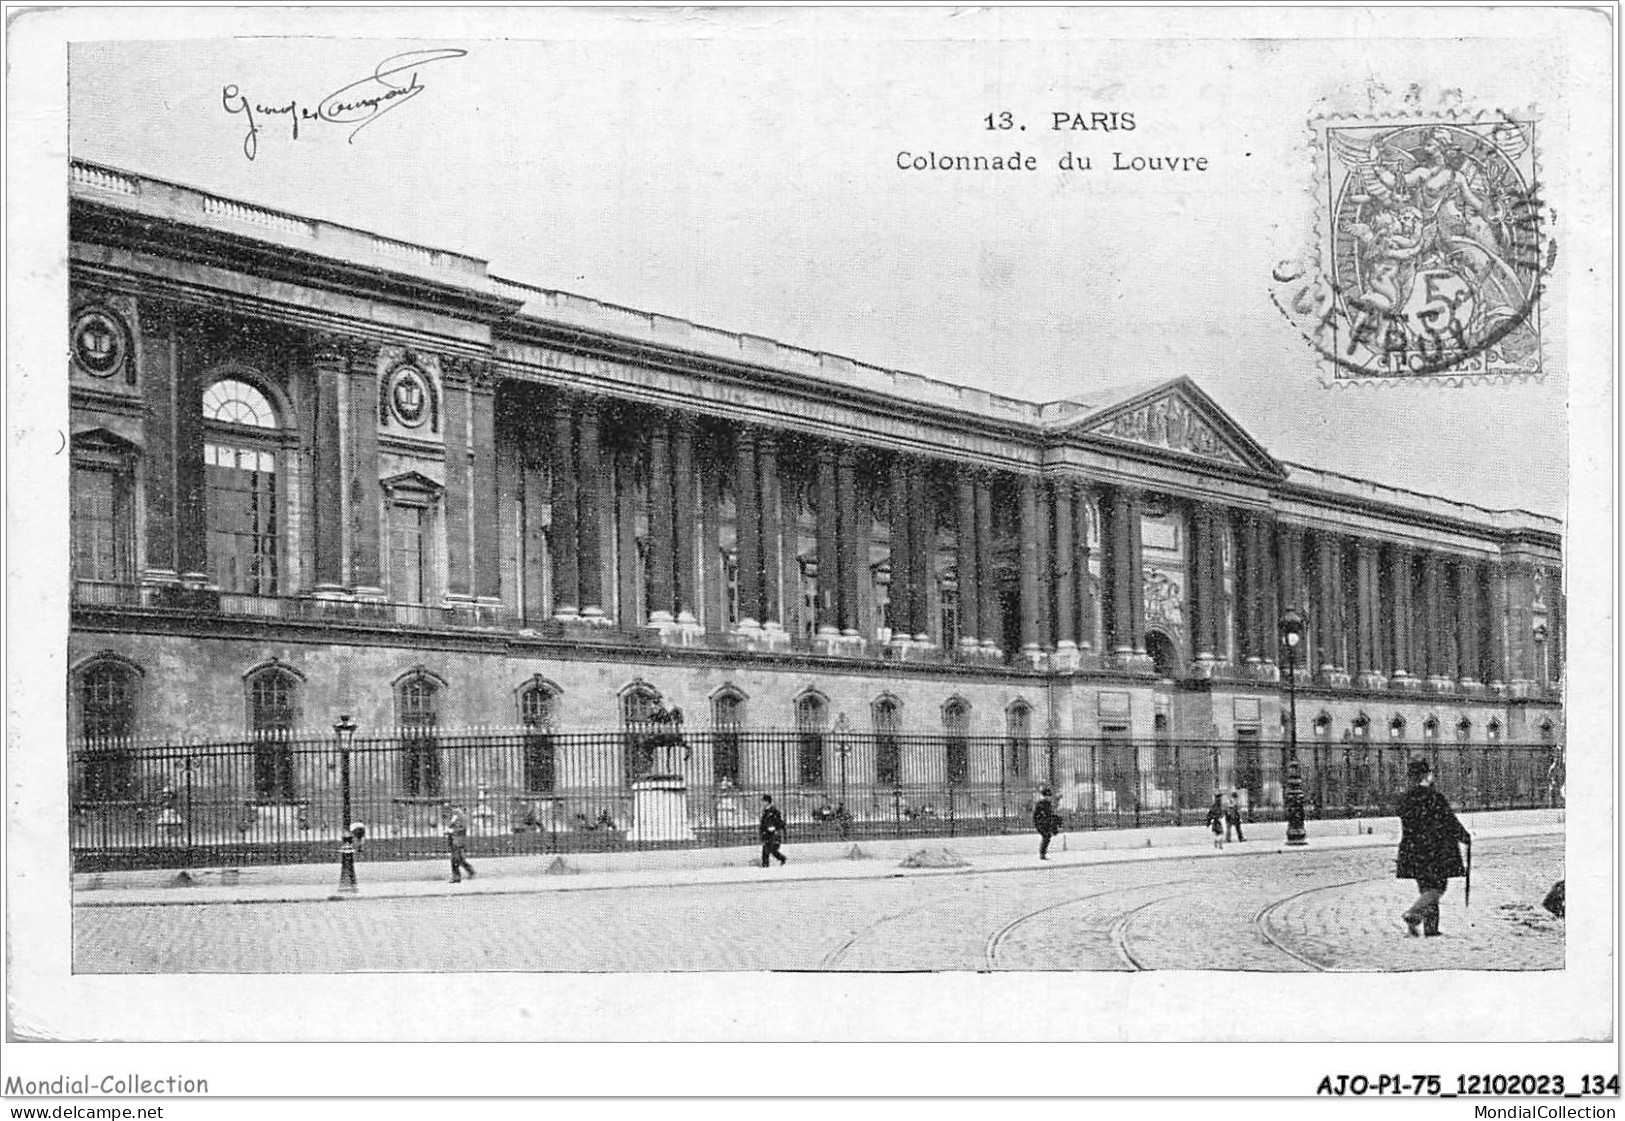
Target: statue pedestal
{"x":660,"y":809}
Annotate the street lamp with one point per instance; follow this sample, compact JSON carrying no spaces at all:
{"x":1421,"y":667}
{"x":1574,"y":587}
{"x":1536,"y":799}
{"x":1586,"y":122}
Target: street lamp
{"x":344,"y":733}
{"x":1292,"y":634}
{"x":843,"y":745}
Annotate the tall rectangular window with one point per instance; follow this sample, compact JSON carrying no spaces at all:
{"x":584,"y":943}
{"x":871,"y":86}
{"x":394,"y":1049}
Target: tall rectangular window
{"x":243,"y":518}
{"x":408,"y":553}
{"x":949,"y":597}
{"x":100,"y":524}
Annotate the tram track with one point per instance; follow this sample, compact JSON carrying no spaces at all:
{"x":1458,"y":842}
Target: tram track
{"x":1261,"y":921}
{"x":999,"y":938}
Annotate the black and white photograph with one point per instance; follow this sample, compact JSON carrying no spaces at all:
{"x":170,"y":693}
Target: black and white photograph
{"x":793,"y":525}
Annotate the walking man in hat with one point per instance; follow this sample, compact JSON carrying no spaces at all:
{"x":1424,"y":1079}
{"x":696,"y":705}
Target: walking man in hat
{"x":771,"y":830}
{"x":1429,"y":851}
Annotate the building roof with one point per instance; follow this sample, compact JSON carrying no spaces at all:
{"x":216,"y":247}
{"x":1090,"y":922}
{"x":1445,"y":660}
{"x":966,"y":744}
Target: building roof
{"x":1094,"y":415}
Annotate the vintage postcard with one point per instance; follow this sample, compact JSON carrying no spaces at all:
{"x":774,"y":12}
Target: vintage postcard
{"x":775,"y":525}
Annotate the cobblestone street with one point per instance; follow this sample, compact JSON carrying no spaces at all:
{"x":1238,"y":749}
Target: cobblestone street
{"x":1278,"y":911}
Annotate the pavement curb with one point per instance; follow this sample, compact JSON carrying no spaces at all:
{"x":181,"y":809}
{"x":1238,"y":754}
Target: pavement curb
{"x":732,"y":874}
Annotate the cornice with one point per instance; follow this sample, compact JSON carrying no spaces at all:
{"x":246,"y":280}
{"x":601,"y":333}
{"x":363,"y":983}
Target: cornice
{"x":94,"y":222}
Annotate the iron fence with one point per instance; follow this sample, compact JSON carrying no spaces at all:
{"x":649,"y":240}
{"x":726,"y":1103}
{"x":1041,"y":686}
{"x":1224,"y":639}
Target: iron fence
{"x":282,"y":798}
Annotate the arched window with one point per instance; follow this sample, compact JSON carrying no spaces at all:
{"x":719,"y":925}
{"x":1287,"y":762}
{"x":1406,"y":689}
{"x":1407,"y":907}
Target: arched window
{"x":886,"y":714}
{"x":107,"y":694}
{"x":1492,"y":731}
{"x":1430,"y":730}
{"x":538,"y":712}
{"x":1018,"y":730}
{"x":243,"y":502}
{"x":1362,"y":728}
{"x":1164,"y":656}
{"x":1464,"y":730}
{"x":1548,"y":734}
{"x":727,"y":720}
{"x":812,"y":720}
{"x":956,"y":727}
{"x":417,"y":712}
{"x":1323,"y":727}
{"x":639,"y":704}
{"x":273,"y":695}
{"x":1396,"y":729}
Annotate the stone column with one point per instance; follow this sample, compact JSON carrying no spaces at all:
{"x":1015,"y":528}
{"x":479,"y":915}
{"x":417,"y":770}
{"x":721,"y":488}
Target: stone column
{"x":1136,"y":574}
{"x":1118,"y":559}
{"x":533,"y":495}
{"x":1326,"y":632}
{"x":591,"y":527}
{"x":987,"y":579}
{"x":828,"y":620}
{"x":1365,"y":576}
{"x":853,"y":526}
{"x":661,"y":597}
{"x":1433,"y":637}
{"x":772,"y":520}
{"x":363,"y":471}
{"x":902,"y":603}
{"x":1399,"y":583}
{"x":1085,"y":598}
{"x":1251,"y":602}
{"x":485,"y":541}
{"x":1029,"y":565}
{"x":1066,"y":623}
{"x":459,"y":583}
{"x":1499,"y":667}
{"x":747,"y":528}
{"x":965,"y":559}
{"x":161,"y":404}
{"x":627,"y":509}
{"x":562,"y":535}
{"x":331,"y":364}
{"x":1218,"y":524}
{"x":713,"y":578}
{"x":1196,"y":578}
{"x":191,"y":485}
{"x":1468,"y":622}
{"x":1269,"y":590}
{"x":922,"y":538}
{"x":683,"y":522}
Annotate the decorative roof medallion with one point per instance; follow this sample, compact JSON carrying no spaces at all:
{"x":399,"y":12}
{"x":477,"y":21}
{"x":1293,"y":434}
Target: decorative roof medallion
{"x":409,"y":397}
{"x":101,"y":342}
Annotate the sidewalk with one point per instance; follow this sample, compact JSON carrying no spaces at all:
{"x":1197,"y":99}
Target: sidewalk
{"x":852,"y":860}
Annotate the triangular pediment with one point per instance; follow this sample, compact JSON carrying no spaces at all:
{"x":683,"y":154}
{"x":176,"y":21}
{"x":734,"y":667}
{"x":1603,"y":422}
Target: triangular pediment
{"x":411,"y":481}
{"x":1173,"y":416}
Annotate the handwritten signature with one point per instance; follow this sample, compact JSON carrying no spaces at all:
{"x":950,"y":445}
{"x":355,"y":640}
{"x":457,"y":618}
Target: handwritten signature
{"x":393,"y":83}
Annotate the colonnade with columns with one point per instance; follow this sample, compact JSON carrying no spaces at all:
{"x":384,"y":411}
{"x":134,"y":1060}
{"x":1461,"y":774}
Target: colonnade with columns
{"x":1396,"y":615}
{"x":1380,"y":613}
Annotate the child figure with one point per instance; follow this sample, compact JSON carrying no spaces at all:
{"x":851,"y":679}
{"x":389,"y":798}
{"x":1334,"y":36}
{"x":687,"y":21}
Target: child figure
{"x":457,"y":842}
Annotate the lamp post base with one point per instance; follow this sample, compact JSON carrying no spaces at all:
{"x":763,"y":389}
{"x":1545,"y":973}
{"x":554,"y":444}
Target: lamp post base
{"x":347,"y":885}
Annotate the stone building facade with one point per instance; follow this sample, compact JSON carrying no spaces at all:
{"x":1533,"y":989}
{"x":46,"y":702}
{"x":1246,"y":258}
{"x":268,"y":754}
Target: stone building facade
{"x":317,"y":471}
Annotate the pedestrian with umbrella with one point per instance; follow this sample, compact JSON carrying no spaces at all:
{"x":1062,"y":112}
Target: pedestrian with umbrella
{"x":1429,"y":848}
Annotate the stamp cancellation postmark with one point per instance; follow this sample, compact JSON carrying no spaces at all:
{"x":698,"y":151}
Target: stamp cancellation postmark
{"x":1431,"y":251}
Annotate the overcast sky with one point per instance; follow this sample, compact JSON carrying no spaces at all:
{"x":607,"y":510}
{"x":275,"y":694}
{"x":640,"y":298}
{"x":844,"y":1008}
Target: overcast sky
{"x":740,"y":169}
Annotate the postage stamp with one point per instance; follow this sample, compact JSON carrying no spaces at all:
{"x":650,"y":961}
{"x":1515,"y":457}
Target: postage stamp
{"x":1432,"y":248}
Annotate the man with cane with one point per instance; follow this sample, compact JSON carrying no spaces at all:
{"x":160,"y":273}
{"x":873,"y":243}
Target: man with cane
{"x":1428,"y":848}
